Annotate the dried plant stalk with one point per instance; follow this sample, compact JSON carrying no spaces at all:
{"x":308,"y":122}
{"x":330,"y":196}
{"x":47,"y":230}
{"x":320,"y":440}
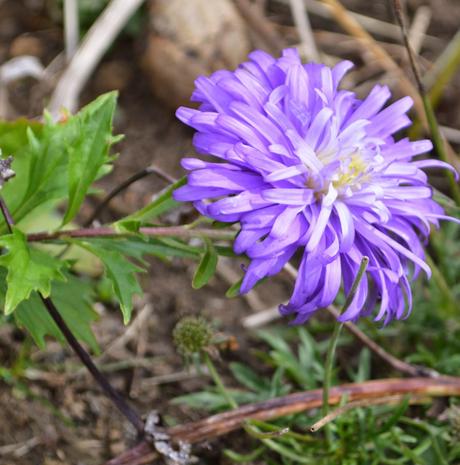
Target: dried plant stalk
{"x":223,"y":423}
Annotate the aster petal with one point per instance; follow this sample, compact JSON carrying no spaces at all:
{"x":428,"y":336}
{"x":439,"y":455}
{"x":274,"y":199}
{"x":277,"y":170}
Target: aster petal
{"x":339,"y":71}
{"x":323,"y":218}
{"x":372,"y":104}
{"x":374,"y":233}
{"x":346,"y":226}
{"x":289,"y":196}
{"x":285,"y":173}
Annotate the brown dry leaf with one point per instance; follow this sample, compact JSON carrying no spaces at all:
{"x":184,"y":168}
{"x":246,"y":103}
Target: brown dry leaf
{"x":188,"y":39}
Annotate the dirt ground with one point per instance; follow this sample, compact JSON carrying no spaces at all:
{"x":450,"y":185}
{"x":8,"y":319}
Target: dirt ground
{"x":55,"y":414}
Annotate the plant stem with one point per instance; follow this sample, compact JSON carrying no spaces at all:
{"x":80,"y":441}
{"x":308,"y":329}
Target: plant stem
{"x":328,"y":375}
{"x":125,"y":184}
{"x":160,"y":231}
{"x":333,"y":345}
{"x":108,"y":389}
{"x":218,"y":381}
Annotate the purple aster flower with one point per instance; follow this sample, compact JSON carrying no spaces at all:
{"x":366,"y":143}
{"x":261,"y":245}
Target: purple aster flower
{"x":304,"y":166}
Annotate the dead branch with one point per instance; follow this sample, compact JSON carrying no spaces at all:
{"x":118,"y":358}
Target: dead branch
{"x":223,"y":423}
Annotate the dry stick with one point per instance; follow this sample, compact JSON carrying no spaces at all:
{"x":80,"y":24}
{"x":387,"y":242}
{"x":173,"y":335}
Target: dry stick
{"x":394,"y":362}
{"x":302,"y":23}
{"x":71,"y":27}
{"x":125,"y":184}
{"x":386,"y":400}
{"x":223,"y":423}
{"x":96,"y":42}
{"x":130,"y":414}
{"x":261,"y":25}
{"x":438,"y":140}
{"x":419,"y":26}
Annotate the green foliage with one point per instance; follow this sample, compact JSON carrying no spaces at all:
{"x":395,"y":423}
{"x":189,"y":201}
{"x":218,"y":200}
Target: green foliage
{"x":56,"y":164}
{"x":89,"y":139}
{"x":29,"y":269}
{"x":120,"y":271}
{"x":74,"y":301}
{"x":375,"y":435}
{"x":60,"y":160}
{"x":206,"y":268}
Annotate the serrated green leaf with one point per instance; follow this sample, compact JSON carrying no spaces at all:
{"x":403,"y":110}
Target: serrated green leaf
{"x":40,"y":172}
{"x":160,"y":204}
{"x":29,"y":269}
{"x":89,"y":150}
{"x":206,"y":268}
{"x":120,"y":271}
{"x":73,"y":300}
{"x":57,"y":161}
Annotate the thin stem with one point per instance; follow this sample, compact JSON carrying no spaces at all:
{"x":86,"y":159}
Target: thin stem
{"x":6,"y":215}
{"x":125,"y":184}
{"x":440,"y":146}
{"x":328,"y":375}
{"x":438,"y":140}
{"x":110,"y":392}
{"x":108,"y":232}
{"x":218,"y":381}
{"x":333,"y":344}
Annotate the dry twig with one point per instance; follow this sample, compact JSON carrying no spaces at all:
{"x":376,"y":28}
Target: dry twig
{"x":261,"y":25}
{"x":223,"y":423}
{"x":302,"y":22}
{"x":96,"y":42}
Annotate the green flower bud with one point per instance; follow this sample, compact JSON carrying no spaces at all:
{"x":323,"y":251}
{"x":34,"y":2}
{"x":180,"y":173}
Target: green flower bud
{"x":191,"y":335}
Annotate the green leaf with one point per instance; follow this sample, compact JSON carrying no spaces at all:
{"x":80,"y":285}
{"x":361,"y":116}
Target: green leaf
{"x":29,"y":269}
{"x":73,"y":300}
{"x":161,"y":204}
{"x":120,"y":271}
{"x":89,"y":150}
{"x":234,"y":289}
{"x":248,"y":378}
{"x":13,"y":134}
{"x":58,"y":161}
{"x":206,"y":268}
{"x":40,"y":172}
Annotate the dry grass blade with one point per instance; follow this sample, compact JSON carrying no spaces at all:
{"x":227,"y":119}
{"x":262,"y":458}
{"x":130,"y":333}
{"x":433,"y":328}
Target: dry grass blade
{"x":352,"y":26}
{"x":302,"y":22}
{"x":253,"y":15}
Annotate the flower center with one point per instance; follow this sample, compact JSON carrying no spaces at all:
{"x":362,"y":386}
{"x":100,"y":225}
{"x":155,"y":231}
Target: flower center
{"x":348,"y":174}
